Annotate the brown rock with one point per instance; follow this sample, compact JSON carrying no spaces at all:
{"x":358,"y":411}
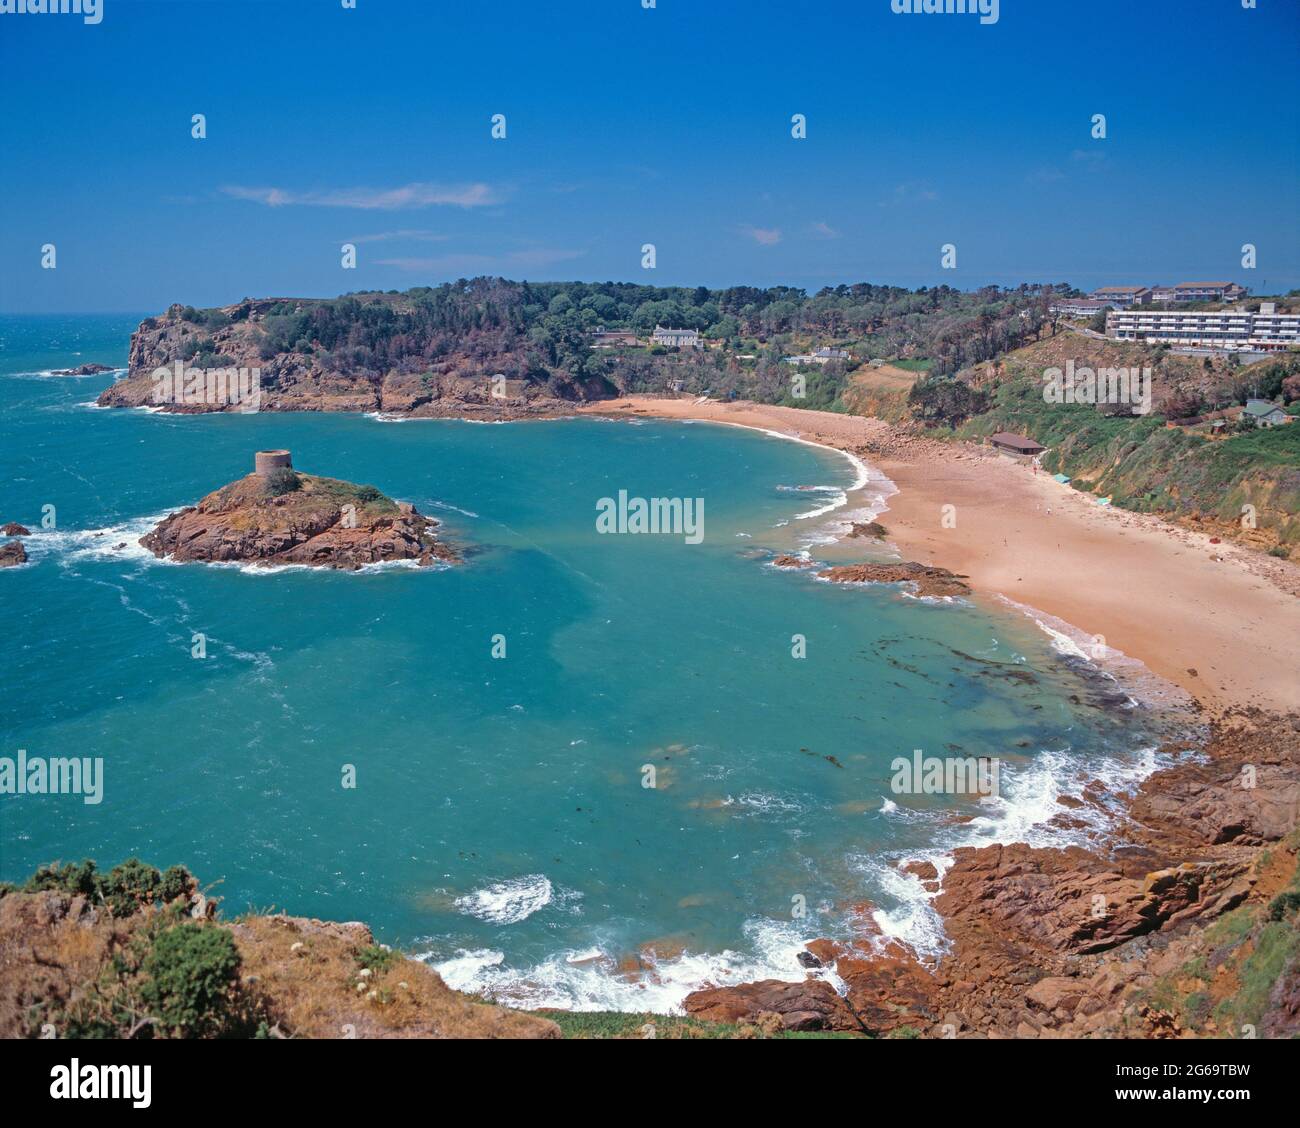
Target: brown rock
{"x":873,"y":529}
{"x":889,"y":992}
{"x":12,"y":554}
{"x":13,"y":529}
{"x":1071,"y":901}
{"x":323,"y":523}
{"x":1207,"y":804}
{"x":927,"y":581}
{"x":1056,"y":992}
{"x":810,"y":1005}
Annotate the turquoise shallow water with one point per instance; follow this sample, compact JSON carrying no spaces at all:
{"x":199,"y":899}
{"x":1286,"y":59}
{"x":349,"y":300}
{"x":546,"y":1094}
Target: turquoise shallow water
{"x":499,"y":825}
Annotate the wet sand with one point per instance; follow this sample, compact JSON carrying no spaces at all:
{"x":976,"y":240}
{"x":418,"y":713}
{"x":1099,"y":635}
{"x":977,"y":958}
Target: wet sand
{"x":1219,"y":620}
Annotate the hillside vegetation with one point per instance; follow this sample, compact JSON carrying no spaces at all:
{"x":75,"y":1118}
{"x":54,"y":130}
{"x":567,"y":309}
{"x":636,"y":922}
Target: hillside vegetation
{"x":139,"y":953}
{"x":429,"y":345}
{"x":1136,"y":460}
{"x":969,"y":362}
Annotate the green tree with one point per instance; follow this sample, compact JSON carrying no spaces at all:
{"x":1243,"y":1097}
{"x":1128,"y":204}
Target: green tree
{"x":192,"y":973}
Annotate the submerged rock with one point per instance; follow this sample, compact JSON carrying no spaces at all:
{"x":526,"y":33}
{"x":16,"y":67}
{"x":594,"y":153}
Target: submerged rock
{"x":83,"y":370}
{"x":928,"y":581}
{"x":871,"y":529}
{"x":12,"y":554}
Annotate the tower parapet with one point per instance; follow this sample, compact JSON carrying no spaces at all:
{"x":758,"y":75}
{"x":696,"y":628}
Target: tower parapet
{"x":264,"y":461}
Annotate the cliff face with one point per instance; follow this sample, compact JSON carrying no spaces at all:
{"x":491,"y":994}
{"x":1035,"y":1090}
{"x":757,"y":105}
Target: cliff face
{"x":374,"y":352}
{"x":320,"y":522}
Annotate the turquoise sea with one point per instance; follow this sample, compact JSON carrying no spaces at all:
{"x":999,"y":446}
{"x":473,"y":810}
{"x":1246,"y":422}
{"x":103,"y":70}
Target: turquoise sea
{"x":499,"y":825}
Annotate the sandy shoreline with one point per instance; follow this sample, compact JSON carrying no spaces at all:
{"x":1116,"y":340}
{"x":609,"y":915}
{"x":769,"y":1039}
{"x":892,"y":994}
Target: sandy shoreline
{"x":1161,"y":594}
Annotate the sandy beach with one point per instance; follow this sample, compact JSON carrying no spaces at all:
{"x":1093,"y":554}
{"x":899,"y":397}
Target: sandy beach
{"x":1218,"y":620}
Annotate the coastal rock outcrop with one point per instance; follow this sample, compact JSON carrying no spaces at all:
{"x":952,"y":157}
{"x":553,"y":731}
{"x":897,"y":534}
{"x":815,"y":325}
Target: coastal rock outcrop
{"x":12,"y":554}
{"x":871,"y":530}
{"x":1113,"y":941}
{"x":13,"y":529}
{"x":283,"y":517}
{"x":1071,"y":902}
{"x":294,"y":354}
{"x":1245,"y":803}
{"x":83,"y":370}
{"x":927,"y":581}
{"x":810,"y":1005}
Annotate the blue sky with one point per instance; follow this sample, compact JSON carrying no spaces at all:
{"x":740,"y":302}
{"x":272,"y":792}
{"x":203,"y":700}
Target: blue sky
{"x":627,"y":126}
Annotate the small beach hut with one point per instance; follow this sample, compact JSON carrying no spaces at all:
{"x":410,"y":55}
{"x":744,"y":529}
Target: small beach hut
{"x":1019,"y":445}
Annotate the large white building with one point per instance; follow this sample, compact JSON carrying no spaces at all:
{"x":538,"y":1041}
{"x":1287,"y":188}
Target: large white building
{"x":1230,"y":329}
{"x":819,"y":356}
{"x":1078,"y":307}
{"x":1121,"y":297}
{"x":676,"y":338}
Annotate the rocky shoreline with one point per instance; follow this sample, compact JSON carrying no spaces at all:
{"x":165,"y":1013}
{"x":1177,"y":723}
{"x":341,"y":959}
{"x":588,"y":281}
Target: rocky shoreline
{"x":1114,"y":942}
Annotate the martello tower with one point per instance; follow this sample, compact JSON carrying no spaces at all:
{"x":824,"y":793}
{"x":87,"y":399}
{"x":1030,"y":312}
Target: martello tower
{"x":264,"y":461}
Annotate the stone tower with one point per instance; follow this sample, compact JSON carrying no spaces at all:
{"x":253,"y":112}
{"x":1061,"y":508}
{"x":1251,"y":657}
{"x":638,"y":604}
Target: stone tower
{"x":264,"y":461}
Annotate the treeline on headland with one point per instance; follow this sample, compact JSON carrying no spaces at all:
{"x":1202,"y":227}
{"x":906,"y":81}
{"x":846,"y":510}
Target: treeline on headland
{"x":956,"y":362}
{"x":547,"y":328}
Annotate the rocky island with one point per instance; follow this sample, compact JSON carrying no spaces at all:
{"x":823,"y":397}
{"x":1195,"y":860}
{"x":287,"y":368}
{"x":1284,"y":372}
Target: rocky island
{"x":927,"y":581}
{"x":279,"y":516}
{"x":83,"y":370}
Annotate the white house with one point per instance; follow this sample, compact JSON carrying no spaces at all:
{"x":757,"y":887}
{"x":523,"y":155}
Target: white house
{"x":677,"y":338}
{"x":819,"y":356}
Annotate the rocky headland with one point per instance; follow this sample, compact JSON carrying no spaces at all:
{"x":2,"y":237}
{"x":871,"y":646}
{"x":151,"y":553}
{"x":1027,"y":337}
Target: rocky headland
{"x":279,"y":516}
{"x":138,"y":953}
{"x":469,"y":358}
{"x":1186,"y":924}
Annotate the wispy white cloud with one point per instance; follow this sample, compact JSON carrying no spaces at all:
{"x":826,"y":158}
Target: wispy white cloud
{"x":418,"y":195}
{"x":824,"y":230}
{"x":763,"y":236}
{"x":405,"y":236}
